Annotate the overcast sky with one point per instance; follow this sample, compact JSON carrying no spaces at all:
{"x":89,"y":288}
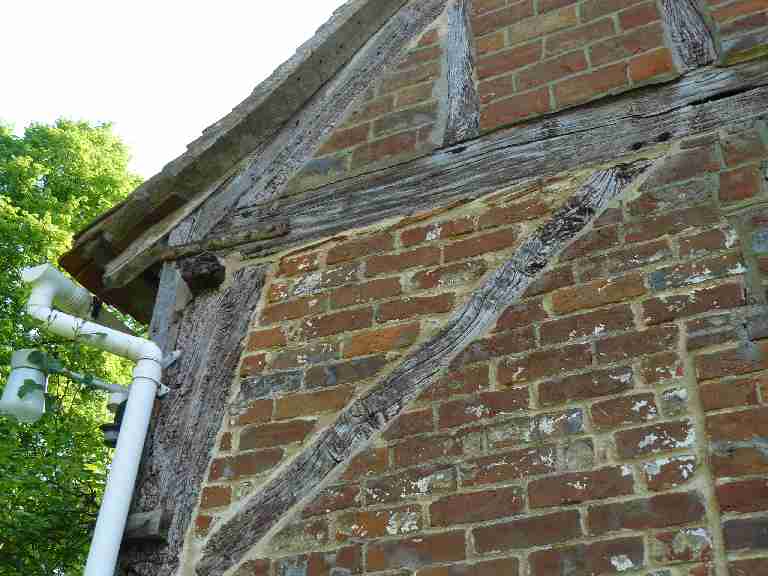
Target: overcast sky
{"x":161,"y":71}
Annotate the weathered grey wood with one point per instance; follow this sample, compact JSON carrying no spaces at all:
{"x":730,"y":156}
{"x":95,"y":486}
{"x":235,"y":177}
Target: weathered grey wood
{"x":596,"y":134}
{"x":281,"y":158}
{"x":690,"y":38}
{"x":463,"y":122}
{"x":165,"y":305}
{"x":190,"y":416}
{"x":371,"y":413}
{"x":202,"y":272}
{"x":148,"y":526}
{"x":140,"y":255}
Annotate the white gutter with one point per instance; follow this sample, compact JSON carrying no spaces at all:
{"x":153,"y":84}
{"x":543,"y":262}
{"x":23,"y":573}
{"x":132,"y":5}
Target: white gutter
{"x":50,"y":289}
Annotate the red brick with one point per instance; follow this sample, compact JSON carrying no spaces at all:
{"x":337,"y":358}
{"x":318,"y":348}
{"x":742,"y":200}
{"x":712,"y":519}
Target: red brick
{"x":406,"y":119}
{"x":686,"y":165}
{"x":292,"y":265}
{"x":433,"y":36}
{"x":738,"y":9}
{"x":661,"y":367}
{"x":466,"y":381}
{"x":414,"y":95}
{"x":639,"y":16}
{"x":747,"y":534}
{"x":415,"y":306}
{"x":410,"y":424}
{"x":347,"y":560}
{"x":535,"y":430}
{"x":667,"y":473}
{"x":740,"y":184}
{"x":266,"y":339}
{"x":528,"y":532}
{"x":496,"y":88}
{"x":412,"y":483}
{"x":655,"y":438}
{"x":684,"y":545}
{"x":735,"y":426}
{"x":476,"y":506}
{"x":523,"y":211}
{"x":486,"y":405}
{"x":333,"y":499}
{"x":249,"y":464}
{"x":550,"y":281}
{"x":693,"y":273}
{"x":347,"y":321}
{"x":487,"y":243}
{"x":576,"y":38}
{"x":524,"y":314}
{"x":353,"y":371}
{"x":549,"y":5}
{"x":342,"y":139}
{"x":311,"y":354}
{"x":370,"y":462}
{"x":749,"y":567}
{"x":257,"y":412}
{"x":225,"y":445}
{"x":743,"y":496}
{"x":325,"y":401}
{"x":671,"y":223}
{"x":711,"y":331}
{"x":215,"y":497}
{"x":634,"y":344}
{"x":388,"y":263}
{"x":356,"y":294}
{"x":708,"y":241}
{"x":399,"y":80}
{"x":544,"y":24}
{"x":743,"y":147}
{"x":597,"y":240}
{"x":551,"y":70}
{"x":597,"y":293}
{"x":416,"y":552}
{"x":668,"y":308}
{"x":733,"y":361}
{"x":367,"y":524}
{"x":628,"y":259}
{"x":490,"y":43}
{"x":203,"y":524}
{"x":293,"y":309}
{"x":277,"y":293}
{"x":514,"y":109}
{"x":362,"y":247}
{"x":586,"y":87}
{"x":666,"y":199}
{"x":437,"y":231}
{"x":637,"y":409}
{"x":589,"y":325}
{"x":578,"y":487}
{"x":450,"y":276}
{"x":509,"y":466}
{"x":627,"y":45}
{"x":729,"y":394}
{"x":754,"y":22}
{"x":497,"y":345}
{"x":545,"y":363}
{"x":593,"y":9}
{"x":503,"y":17}
{"x":276,"y":434}
{"x":483,"y":6}
{"x":586,"y":386}
{"x":252,"y":365}
{"x":382,"y":340}
{"x":509,"y":60}
{"x":421,"y":56}
{"x":372,"y":109}
{"x":424,"y":449}
{"x":315,"y":282}
{"x":596,"y":558}
{"x":655,"y":512}
{"x":505,"y":566}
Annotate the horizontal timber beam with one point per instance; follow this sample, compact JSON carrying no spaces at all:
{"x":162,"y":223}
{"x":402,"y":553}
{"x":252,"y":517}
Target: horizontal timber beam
{"x":596,"y":133}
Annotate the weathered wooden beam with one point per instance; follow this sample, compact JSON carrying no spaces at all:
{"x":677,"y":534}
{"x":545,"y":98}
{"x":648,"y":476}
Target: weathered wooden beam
{"x":689,"y":36}
{"x":188,"y":419}
{"x":148,"y":526}
{"x":370,"y":414}
{"x":700,"y":102}
{"x":463,"y":122}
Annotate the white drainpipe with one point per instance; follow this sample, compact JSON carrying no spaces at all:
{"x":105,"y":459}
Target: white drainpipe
{"x":52,"y":289}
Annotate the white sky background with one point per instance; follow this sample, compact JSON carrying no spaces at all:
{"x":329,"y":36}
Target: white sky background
{"x":161,"y":71}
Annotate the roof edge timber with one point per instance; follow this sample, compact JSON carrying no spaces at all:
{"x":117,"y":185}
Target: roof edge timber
{"x":225,"y":143}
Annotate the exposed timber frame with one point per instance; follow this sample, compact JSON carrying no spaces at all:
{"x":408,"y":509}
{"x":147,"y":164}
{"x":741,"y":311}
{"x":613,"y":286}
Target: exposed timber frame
{"x":366,"y":416}
{"x":689,"y":36}
{"x":463,"y":122}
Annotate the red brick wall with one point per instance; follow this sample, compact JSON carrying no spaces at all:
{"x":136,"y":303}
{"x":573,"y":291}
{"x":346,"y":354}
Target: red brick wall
{"x":614,"y":421}
{"x":741,"y":24}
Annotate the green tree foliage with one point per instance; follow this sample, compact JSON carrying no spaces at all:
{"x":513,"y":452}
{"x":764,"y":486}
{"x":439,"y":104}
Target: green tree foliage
{"x":53,"y":180}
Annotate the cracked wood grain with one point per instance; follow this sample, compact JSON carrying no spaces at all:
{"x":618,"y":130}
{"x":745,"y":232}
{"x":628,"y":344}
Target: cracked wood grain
{"x":371,"y":413}
{"x":188,"y":419}
{"x":690,"y":38}
{"x":463,"y":122}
